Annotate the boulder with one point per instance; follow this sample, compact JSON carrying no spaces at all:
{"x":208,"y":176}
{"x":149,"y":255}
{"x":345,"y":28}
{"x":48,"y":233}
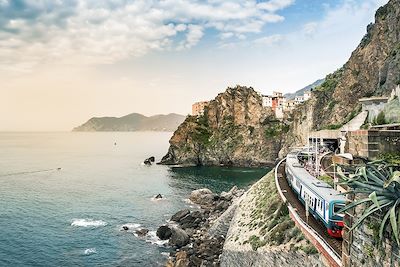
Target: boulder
{"x":142,"y":232}
{"x":164,"y":232}
{"x":179,"y":215}
{"x":179,"y":237}
{"x":181,"y":259}
{"x":233,"y":193}
{"x":149,"y":161}
{"x":222,"y":205}
{"x":192,"y":219}
{"x":202,"y":196}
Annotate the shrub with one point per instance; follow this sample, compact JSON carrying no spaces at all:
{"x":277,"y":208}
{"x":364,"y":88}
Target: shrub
{"x":381,"y":183}
{"x":380,"y":119}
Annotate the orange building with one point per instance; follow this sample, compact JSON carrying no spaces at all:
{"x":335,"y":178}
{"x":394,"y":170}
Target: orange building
{"x":198,"y":108}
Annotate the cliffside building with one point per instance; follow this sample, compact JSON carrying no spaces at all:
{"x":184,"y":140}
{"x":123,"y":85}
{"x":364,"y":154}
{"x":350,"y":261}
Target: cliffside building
{"x":198,"y":108}
{"x":276,"y":101}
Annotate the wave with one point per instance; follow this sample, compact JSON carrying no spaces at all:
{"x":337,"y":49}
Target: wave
{"x":90,"y":251}
{"x":88,"y":223}
{"x":153,"y":239}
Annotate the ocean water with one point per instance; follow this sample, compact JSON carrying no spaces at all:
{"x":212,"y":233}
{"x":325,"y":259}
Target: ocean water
{"x":73,"y":216}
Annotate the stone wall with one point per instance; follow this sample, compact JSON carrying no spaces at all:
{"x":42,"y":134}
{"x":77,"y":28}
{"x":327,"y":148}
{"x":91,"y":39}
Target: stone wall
{"x":361,"y":247}
{"x":370,"y":143}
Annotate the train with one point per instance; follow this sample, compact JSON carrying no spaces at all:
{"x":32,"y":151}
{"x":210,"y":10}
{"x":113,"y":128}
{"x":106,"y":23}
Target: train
{"x":323,"y":201}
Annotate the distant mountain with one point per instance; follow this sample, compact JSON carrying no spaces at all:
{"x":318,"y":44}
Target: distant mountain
{"x":132,"y":122}
{"x":307,"y":88}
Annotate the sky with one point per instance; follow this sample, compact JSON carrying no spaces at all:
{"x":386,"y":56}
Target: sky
{"x":65,"y":61}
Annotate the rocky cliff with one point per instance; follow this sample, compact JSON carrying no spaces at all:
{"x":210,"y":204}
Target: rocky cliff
{"x":235,"y":130}
{"x":372,"y":70}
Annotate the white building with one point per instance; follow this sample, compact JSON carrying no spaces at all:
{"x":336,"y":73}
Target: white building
{"x":307,"y":95}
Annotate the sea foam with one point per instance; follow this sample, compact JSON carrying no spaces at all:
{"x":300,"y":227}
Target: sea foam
{"x":90,"y":251}
{"x":153,"y":239}
{"x":88,"y":223}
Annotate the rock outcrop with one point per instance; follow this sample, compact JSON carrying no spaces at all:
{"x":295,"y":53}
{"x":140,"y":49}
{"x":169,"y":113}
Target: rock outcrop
{"x":189,"y":229}
{"x":235,"y":130}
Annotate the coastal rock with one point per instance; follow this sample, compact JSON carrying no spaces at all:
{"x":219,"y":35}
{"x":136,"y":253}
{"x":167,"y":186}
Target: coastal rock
{"x":232,"y":132}
{"x":233,"y":193}
{"x":181,"y":259}
{"x":191,"y":220}
{"x":202,"y":196}
{"x":179,"y":215}
{"x":179,"y":237}
{"x":149,"y":161}
{"x":164,"y":232}
{"x":142,"y":232}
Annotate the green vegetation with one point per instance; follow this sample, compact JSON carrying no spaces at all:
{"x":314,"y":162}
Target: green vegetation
{"x":380,"y":119}
{"x":333,"y":126}
{"x":275,"y":129}
{"x":309,"y":249}
{"x":330,"y":82}
{"x":383,"y":11}
{"x":256,"y":242}
{"x":391,"y":158}
{"x":331,"y":104}
{"x":271,"y":216}
{"x":381,"y":183}
{"x":327,"y":179}
{"x":202,"y":133}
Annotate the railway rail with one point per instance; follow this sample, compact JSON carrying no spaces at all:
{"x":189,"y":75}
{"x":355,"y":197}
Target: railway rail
{"x":331,"y":246}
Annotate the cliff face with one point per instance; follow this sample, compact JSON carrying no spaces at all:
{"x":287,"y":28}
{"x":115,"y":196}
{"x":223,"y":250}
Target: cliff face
{"x":372,"y":70}
{"x":234,"y":130}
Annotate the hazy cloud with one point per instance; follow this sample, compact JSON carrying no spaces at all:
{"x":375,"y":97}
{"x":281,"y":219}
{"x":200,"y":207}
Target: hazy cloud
{"x":100,"y":31}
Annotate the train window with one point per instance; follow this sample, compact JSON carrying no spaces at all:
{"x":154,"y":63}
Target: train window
{"x":337,"y":208}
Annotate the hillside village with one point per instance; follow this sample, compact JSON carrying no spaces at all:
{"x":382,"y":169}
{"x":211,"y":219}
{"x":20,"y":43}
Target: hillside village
{"x":277,"y":102}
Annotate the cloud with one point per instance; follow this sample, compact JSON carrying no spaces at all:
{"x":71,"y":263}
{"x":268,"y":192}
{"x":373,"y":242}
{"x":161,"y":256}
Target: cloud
{"x":101,"y":31}
{"x":269,"y":40}
{"x":310,"y":28}
{"x":275,"y":5}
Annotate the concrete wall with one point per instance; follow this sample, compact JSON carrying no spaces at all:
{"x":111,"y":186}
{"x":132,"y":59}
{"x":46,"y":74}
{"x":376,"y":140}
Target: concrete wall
{"x":373,"y":109}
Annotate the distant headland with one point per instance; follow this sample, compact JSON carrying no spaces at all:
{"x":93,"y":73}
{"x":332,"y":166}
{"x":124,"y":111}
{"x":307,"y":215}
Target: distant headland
{"x":131,"y":123}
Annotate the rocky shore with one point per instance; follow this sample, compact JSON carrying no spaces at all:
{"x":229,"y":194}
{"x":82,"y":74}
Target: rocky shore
{"x":198,"y":236}
{"x":237,"y":228}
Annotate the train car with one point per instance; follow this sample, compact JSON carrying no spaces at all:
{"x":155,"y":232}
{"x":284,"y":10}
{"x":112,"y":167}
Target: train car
{"x":324,"y":202}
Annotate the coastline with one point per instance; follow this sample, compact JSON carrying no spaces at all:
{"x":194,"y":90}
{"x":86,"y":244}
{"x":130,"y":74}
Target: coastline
{"x":228,"y":234}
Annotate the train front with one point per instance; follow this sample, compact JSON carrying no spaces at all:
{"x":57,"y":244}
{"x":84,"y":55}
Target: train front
{"x":335,"y":225}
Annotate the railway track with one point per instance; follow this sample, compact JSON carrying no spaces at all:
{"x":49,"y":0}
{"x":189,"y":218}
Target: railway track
{"x":318,"y":226}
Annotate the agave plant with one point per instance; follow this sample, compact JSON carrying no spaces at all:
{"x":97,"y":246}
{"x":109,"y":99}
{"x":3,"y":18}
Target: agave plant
{"x":381,"y":182}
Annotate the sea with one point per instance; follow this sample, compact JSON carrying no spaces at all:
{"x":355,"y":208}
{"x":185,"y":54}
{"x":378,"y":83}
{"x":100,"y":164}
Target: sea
{"x":65,"y":196}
